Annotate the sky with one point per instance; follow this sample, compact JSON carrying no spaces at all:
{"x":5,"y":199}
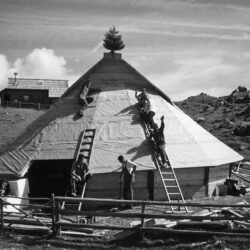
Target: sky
{"x":184,"y":47}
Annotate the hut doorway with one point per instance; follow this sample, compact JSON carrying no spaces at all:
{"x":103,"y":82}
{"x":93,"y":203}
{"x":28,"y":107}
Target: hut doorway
{"x":49,"y":176}
{"x":6,"y":99}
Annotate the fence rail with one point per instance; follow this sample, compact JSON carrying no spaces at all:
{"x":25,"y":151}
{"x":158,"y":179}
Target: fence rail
{"x":19,"y":104}
{"x":55,"y":222}
{"x":142,"y":215}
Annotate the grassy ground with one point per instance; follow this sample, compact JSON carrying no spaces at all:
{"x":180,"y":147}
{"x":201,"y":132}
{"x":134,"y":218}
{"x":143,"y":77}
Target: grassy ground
{"x":219,"y":120}
{"x":150,"y":241}
{"x":156,"y":241}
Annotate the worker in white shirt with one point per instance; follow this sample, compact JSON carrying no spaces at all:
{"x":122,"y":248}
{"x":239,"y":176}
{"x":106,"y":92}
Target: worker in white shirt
{"x":127,"y":177}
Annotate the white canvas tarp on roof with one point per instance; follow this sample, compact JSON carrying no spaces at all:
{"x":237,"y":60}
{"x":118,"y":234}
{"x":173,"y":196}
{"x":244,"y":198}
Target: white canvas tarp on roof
{"x":187,"y":143}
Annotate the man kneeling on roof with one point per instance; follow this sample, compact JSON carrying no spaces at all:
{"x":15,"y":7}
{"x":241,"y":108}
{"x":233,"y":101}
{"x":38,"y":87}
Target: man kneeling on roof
{"x":159,"y":138}
{"x":141,"y":98}
{"x":127,"y":178}
{"x":146,"y":107}
{"x":83,"y":96}
{"x":79,"y":174}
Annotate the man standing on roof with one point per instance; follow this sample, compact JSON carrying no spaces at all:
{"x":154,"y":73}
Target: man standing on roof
{"x":79,"y":173}
{"x":83,"y":96}
{"x":159,"y":138}
{"x":127,"y":177}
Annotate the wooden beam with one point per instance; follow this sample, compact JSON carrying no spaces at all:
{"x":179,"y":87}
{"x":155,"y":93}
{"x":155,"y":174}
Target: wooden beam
{"x":140,"y":202}
{"x":193,"y":232}
{"x":148,"y":215}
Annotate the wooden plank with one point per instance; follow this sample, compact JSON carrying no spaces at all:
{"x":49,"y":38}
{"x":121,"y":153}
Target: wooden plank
{"x":93,"y":226}
{"x":26,"y":222}
{"x":193,"y":232}
{"x":73,"y":233}
{"x":140,"y":202}
{"x":148,"y":215}
{"x":203,"y":224}
{"x":30,"y":229}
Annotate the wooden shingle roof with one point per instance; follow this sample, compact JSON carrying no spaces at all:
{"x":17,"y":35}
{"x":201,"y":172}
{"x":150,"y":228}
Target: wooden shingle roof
{"x":55,"y":87}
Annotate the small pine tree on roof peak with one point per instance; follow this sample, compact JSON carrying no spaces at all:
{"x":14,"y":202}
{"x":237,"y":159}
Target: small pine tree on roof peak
{"x":113,"y":41}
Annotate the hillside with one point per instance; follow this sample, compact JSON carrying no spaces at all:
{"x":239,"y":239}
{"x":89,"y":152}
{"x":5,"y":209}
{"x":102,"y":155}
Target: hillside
{"x":227,"y":118}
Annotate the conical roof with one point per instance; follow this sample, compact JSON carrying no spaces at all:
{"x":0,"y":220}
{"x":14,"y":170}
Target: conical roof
{"x":119,"y":130}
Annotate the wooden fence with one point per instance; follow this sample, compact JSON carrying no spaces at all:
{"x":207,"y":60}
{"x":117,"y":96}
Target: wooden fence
{"x":34,"y":215}
{"x":19,"y":104}
{"x":142,"y":215}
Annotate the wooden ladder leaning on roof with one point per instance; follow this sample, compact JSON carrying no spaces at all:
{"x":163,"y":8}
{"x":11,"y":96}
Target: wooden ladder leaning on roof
{"x":169,"y":179}
{"x":85,"y":146}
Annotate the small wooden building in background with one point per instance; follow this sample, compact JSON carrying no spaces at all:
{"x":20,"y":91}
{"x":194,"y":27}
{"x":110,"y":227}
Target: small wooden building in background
{"x":23,"y":91}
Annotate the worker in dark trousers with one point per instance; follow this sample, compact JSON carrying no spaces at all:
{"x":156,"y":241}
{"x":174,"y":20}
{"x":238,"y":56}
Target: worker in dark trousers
{"x":141,"y":98}
{"x":4,"y":187}
{"x":158,"y":135}
{"x":83,"y":96}
{"x":127,"y":178}
{"x":79,"y":173}
{"x":149,"y":112}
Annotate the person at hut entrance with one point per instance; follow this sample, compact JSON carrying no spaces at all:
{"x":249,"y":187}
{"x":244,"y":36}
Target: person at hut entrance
{"x":80,"y":174}
{"x":159,"y":138}
{"x":127,"y":177}
{"x":4,"y":187}
{"x":83,"y":96}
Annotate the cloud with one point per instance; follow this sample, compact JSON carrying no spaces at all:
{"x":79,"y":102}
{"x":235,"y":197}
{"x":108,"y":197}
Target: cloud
{"x":212,"y":75}
{"x":5,"y":71}
{"x":96,"y":48}
{"x":40,"y":63}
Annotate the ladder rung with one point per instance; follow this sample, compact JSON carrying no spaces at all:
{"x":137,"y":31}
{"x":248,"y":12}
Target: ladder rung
{"x":88,"y":136}
{"x":169,"y":179}
{"x":174,"y":193}
{"x":172,"y":186}
{"x":167,"y":172}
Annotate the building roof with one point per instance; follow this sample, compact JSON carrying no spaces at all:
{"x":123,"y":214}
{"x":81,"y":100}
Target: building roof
{"x":119,"y":129}
{"x":55,"y":87}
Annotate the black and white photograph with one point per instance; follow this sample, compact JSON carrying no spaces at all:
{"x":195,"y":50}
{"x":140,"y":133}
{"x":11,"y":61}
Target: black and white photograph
{"x":124,"y":124}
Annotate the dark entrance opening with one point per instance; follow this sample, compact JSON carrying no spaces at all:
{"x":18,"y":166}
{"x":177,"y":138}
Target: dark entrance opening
{"x":49,"y":176}
{"x":6,"y":98}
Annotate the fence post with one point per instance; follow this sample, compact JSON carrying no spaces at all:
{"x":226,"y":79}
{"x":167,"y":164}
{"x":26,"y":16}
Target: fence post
{"x":57,"y":218}
{"x":1,"y":211}
{"x":142,"y":219}
{"x":142,"y":213}
{"x":53,"y":214}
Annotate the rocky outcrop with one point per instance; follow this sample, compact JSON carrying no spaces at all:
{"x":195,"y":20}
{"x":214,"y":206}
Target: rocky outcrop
{"x":226,"y":117}
{"x":239,"y":95}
